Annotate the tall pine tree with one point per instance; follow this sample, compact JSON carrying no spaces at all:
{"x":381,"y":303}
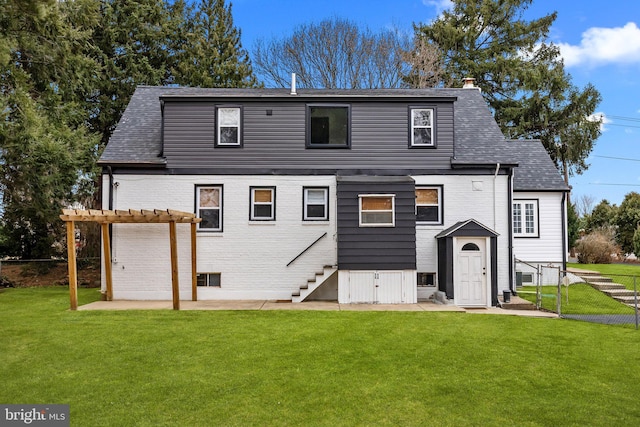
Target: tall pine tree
{"x":211,"y":54}
{"x":522,"y":77}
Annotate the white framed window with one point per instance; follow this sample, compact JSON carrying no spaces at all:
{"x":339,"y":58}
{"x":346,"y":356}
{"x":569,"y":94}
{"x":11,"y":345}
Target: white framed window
{"x":263,"y":204}
{"x":422,"y":127}
{"x":525,"y":218}
{"x":377,"y":210}
{"x":209,"y":207}
{"x":426,"y":280}
{"x":228,"y":128}
{"x":315,"y":204}
{"x":429,"y":205}
{"x":208,"y":279}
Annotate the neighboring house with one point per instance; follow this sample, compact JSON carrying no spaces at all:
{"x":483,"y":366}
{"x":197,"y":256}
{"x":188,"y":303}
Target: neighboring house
{"x":376,"y":196}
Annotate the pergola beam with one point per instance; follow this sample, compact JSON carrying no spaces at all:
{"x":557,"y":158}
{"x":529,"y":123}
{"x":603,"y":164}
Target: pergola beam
{"x":131,"y":216}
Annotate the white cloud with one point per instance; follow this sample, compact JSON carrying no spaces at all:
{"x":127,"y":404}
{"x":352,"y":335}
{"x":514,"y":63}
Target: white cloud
{"x":602,"y":118}
{"x":601,"y":46}
{"x":440,"y":5}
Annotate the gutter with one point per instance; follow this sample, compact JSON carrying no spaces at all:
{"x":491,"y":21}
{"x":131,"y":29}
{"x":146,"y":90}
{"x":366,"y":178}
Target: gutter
{"x":511,"y":256}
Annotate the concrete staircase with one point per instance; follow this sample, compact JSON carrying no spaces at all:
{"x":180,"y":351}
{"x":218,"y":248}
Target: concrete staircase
{"x":305,"y":290}
{"x":606,"y":285}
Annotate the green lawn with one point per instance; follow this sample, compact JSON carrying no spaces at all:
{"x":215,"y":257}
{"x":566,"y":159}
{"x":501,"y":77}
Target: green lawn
{"x":263,"y":368}
{"x":621,"y":269}
{"x":579,"y":298}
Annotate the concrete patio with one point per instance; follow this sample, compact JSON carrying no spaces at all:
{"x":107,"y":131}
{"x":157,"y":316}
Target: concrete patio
{"x":311,"y":305}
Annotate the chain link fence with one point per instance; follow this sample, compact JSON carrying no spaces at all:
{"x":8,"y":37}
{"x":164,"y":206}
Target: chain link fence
{"x":585,"y":295}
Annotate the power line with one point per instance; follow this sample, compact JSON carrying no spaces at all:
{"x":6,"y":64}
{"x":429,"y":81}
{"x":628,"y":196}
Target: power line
{"x":618,"y":158}
{"x":628,"y":119}
{"x":605,"y":183}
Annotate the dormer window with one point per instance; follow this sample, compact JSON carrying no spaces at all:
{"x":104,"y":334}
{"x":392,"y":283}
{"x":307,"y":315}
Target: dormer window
{"x":228,"y":126}
{"x":422,"y":124}
{"x":328,"y":126}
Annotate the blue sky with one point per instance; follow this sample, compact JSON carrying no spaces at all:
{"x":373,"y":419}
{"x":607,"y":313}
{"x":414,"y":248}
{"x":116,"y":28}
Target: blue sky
{"x":599,"y":41}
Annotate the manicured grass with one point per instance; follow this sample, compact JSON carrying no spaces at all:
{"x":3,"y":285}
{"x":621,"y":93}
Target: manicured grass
{"x":203,"y":368}
{"x":578,"y":298}
{"x":622,"y":269}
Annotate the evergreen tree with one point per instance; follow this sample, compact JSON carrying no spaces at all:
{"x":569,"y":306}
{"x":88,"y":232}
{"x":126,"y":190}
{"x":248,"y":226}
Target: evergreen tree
{"x":46,"y":153}
{"x":208,"y":49}
{"x":522,"y":77}
{"x":628,"y":220}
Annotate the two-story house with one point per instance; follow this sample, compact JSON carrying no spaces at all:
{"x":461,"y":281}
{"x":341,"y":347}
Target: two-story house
{"x":385,"y":196}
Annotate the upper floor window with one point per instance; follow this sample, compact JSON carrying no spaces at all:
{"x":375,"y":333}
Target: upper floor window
{"x":525,"y":218}
{"x":263,"y":204}
{"x":315,"y":204}
{"x":377,"y":210}
{"x":229,"y":126}
{"x":429,"y":205}
{"x":422,"y":127}
{"x":328,"y":126}
{"x":209,"y":207}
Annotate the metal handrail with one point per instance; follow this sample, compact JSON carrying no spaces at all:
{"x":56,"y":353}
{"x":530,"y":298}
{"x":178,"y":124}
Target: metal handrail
{"x":306,"y":249}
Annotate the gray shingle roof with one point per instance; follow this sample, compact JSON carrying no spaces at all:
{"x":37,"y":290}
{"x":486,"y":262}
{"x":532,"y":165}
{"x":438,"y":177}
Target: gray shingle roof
{"x":536,"y":171}
{"x":137,"y":141}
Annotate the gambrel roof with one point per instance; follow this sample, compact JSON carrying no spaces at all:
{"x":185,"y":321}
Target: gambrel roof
{"x":478,"y":141}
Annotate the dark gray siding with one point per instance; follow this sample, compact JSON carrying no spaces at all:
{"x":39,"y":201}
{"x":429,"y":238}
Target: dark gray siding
{"x":376,"y":248}
{"x":379,"y":138}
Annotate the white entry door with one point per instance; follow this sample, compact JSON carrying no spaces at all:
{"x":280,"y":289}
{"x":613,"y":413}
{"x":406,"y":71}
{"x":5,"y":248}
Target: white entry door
{"x":471,"y":273}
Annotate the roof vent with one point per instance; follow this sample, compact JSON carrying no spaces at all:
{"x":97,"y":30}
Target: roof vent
{"x":293,"y":84}
{"x":469,"y":83}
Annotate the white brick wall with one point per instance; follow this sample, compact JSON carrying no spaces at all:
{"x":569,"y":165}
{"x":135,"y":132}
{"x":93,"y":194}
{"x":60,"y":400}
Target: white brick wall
{"x":252,"y":256}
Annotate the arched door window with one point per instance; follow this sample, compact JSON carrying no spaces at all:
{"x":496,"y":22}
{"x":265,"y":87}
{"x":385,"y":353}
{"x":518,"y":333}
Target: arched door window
{"x":470,"y":247}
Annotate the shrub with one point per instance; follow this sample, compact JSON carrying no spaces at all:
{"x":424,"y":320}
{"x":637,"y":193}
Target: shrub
{"x":597,"y":247}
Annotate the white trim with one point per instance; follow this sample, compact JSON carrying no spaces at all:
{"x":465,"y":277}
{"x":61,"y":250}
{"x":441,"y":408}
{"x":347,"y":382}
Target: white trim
{"x":414,"y":127}
{"x":381,"y":224}
{"x":523,"y":205}
{"x":227,"y":125}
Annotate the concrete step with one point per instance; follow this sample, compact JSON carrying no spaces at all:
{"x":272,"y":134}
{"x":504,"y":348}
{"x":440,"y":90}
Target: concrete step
{"x":516,"y":303}
{"x":595,"y":278}
{"x":618,"y":292}
{"x":607,"y":286}
{"x":626,"y":299}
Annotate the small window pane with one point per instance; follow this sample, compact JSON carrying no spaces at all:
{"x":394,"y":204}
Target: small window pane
{"x":262,"y":211}
{"x":229,"y":117}
{"x":210,"y":218}
{"x":422,"y":118}
{"x":316,"y":196}
{"x":377,"y":217}
{"x":427,"y":213}
{"x":376,"y":203}
{"x":262,"y":196}
{"x":228,"y":135}
{"x":470,"y":247}
{"x":422,"y":136}
{"x":315,"y":211}
{"x":427,"y":196}
{"x":209,"y":197}
{"x":426,"y":279}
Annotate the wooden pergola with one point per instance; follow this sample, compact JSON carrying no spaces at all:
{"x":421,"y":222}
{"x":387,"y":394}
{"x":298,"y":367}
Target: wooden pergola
{"x":131,"y":216}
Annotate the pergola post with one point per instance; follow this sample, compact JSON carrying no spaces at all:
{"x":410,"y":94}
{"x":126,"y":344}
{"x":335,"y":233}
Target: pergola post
{"x":194,"y":271}
{"x":71,"y":264}
{"x":175,"y":285}
{"x":106,"y":248}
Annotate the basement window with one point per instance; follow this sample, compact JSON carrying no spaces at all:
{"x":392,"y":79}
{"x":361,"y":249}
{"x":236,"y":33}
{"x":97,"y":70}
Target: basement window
{"x":426,"y":280}
{"x":208,"y":280}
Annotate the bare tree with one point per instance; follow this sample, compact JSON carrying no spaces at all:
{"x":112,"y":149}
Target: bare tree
{"x":585,"y":205}
{"x":335,"y":54}
{"x":427,"y":64}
